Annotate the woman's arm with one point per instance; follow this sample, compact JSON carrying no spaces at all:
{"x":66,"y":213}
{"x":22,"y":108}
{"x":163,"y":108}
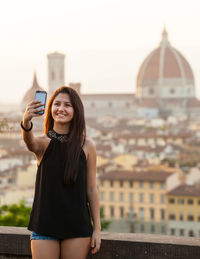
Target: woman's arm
{"x":33,"y":144}
{"x":93,"y":194}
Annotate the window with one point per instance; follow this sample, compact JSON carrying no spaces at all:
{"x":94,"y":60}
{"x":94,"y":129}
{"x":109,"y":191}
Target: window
{"x":172,"y":216}
{"x":191,"y":233}
{"x":141,"y":185}
{"x":121,"y":183}
{"x":141,"y":213}
{"x":171,"y":201}
{"x":182,"y":232}
{"x":162,"y":186}
{"x":142,"y":227}
{"x":102,"y":196}
{"x":152,"y":228}
{"x":190,"y":201}
{"x":163,"y":230}
{"x":151,"y":213}
{"x":181,"y":216}
{"x":131,"y":184}
{"x":121,"y":196}
{"x":121,"y":212}
{"x":172,"y":231}
{"x":151,"y":91}
{"x":172,"y":91}
{"x":112,"y":211}
{"x":180,"y":201}
{"x":190,"y":217}
{"x":111,"y":183}
{"x":131,"y":212}
{"x":151,"y":185}
{"x":151,"y":198}
{"x":111,"y":196}
{"x":162,"y":199}
{"x":141,"y":197}
{"x":131,"y":198}
{"x":162,"y":214}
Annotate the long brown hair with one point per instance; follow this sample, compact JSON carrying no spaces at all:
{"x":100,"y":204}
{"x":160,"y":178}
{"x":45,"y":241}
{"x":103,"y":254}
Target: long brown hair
{"x":77,"y":132}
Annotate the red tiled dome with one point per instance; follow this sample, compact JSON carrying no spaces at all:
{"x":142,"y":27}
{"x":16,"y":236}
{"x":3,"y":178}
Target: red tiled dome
{"x":165,"y":62}
{"x":30,"y":94}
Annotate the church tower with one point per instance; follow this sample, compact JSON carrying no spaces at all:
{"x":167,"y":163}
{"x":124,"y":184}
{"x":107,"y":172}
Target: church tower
{"x":56,"y":71}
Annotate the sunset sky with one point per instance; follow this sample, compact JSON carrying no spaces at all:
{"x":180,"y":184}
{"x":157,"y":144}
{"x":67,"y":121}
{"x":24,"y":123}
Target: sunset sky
{"x":105,"y":41}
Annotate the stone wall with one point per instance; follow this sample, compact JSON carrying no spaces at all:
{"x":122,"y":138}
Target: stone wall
{"x":15,"y":244}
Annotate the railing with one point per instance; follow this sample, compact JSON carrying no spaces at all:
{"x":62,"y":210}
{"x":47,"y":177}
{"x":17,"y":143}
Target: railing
{"x":15,"y":244}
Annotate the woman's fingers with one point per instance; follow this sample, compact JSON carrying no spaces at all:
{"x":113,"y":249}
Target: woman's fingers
{"x":95,"y":244}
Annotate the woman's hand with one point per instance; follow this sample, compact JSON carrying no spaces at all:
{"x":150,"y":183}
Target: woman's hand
{"x":96,"y":241}
{"x":31,"y":111}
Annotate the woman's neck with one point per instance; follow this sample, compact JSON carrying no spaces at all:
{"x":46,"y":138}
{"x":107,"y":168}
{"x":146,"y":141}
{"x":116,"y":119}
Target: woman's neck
{"x":61,"y":129}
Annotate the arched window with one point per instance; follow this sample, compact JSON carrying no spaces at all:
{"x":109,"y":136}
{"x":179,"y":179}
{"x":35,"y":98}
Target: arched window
{"x":191,"y":233}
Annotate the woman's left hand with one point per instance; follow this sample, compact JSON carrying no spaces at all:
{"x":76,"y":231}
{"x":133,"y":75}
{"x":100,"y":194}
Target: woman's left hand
{"x":96,"y":241}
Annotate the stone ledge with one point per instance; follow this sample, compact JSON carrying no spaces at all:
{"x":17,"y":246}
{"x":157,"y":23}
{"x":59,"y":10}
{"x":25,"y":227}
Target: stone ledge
{"x":15,"y":243}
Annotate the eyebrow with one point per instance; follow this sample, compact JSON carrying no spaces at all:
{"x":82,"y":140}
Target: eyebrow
{"x":60,"y":101}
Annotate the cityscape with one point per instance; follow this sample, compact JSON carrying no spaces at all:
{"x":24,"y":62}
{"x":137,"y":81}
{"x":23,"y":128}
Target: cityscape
{"x":147,"y":142}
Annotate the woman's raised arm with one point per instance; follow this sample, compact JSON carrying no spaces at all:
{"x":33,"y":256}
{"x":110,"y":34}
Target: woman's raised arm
{"x":33,"y":144}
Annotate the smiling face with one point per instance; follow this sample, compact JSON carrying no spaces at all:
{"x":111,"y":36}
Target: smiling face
{"x":62,"y":110}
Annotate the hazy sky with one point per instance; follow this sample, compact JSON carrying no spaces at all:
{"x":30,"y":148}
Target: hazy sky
{"x":105,"y":41}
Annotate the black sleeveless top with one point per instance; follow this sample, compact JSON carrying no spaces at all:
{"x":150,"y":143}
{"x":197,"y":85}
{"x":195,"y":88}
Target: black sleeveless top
{"x":60,"y":210}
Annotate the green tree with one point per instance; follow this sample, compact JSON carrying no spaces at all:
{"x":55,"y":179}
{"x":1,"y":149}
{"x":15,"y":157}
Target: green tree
{"x":15,"y":215}
{"x":104,"y":223}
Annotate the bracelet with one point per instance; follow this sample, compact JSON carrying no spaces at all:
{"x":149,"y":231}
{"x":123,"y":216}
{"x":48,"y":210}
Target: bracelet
{"x":25,"y":128}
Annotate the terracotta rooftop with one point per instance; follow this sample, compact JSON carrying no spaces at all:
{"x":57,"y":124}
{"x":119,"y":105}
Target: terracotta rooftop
{"x":157,"y":176}
{"x":185,"y":190}
{"x":150,"y":103}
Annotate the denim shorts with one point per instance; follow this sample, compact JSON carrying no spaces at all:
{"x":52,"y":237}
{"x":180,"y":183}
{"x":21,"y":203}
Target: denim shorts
{"x":35,"y":236}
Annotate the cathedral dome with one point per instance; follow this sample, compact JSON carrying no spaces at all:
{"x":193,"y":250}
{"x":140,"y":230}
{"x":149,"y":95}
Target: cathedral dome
{"x":165,"y":67}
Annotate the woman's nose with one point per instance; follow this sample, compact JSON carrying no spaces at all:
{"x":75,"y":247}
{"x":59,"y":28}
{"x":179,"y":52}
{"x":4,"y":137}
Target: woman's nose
{"x":61,"y":108}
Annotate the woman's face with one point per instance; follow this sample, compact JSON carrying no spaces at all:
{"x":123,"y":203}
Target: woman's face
{"x":62,"y":110}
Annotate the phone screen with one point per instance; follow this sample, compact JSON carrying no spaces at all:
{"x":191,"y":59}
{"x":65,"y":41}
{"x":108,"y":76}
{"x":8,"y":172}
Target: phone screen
{"x":41,"y":96}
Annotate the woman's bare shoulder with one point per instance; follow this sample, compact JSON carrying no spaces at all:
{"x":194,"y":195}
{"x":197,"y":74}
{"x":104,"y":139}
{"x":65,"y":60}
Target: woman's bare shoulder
{"x":89,"y":143}
{"x":89,"y":147}
{"x":44,"y":140}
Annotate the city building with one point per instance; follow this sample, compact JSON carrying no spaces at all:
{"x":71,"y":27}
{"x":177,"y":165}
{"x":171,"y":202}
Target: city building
{"x":183,"y":210}
{"x":134,"y":201}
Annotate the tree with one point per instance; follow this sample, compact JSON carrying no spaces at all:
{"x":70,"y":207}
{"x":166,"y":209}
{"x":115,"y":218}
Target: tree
{"x":104,"y":223}
{"x":15,"y":215}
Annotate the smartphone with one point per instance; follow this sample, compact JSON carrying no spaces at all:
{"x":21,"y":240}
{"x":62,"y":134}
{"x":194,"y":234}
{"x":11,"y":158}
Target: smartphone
{"x":41,"y":96}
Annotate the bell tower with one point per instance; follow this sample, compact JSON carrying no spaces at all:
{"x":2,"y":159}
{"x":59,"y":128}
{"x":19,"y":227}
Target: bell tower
{"x":56,"y":71}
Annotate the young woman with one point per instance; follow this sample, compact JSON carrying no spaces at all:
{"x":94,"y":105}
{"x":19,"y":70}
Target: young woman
{"x":65,"y":189}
